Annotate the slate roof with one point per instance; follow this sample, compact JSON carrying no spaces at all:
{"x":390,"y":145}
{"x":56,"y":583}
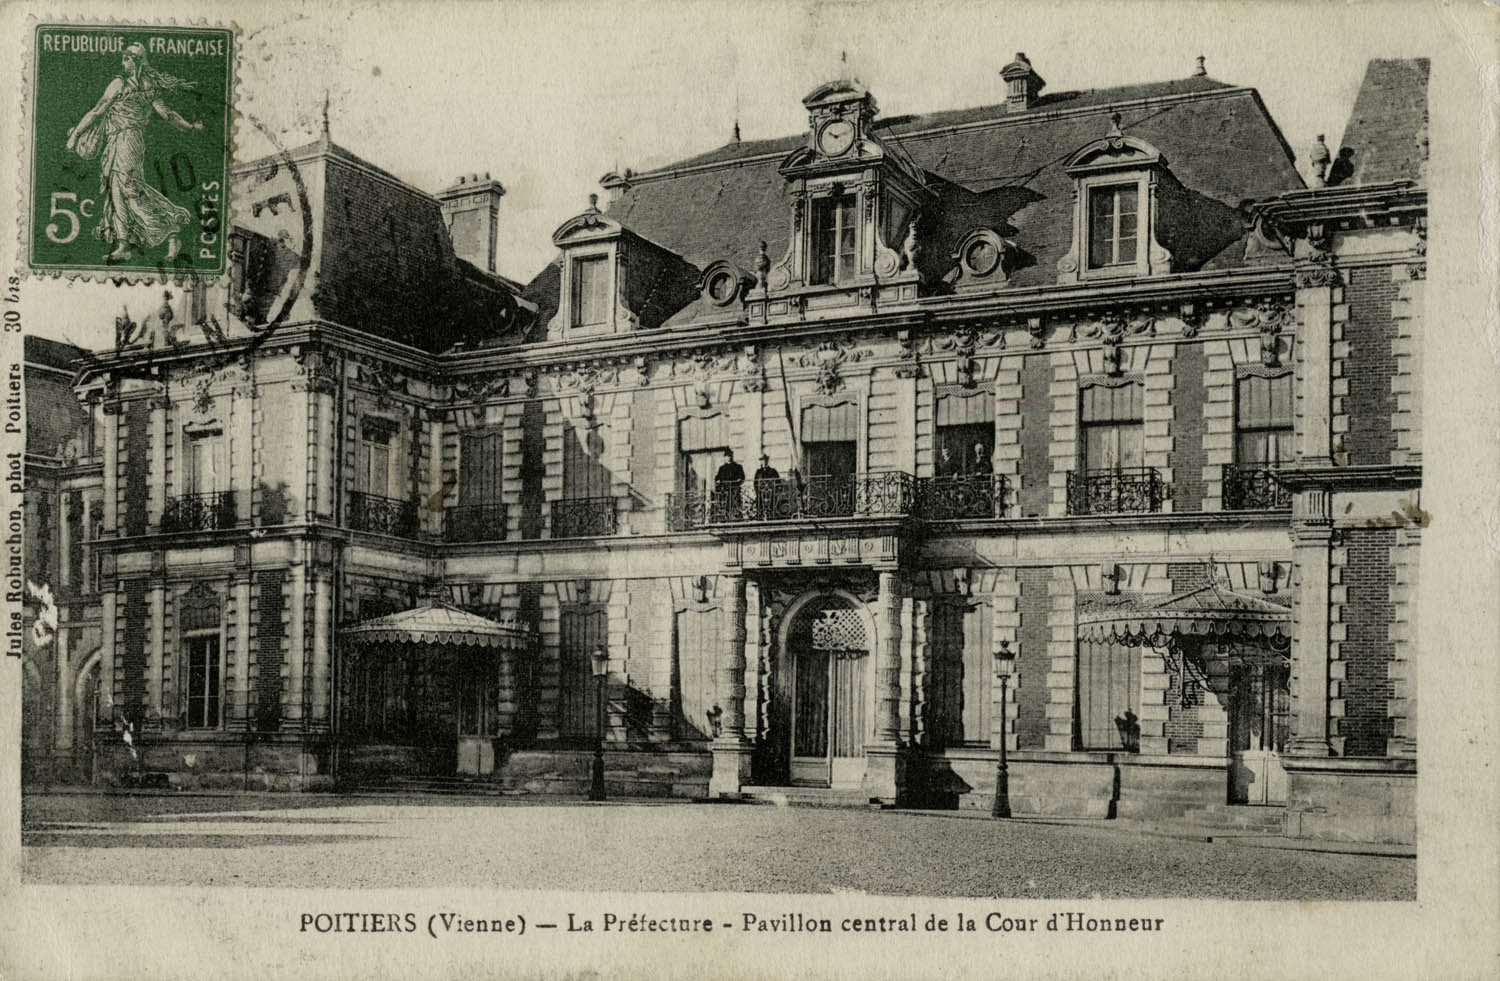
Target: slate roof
{"x":989,"y":169}
{"x":53,"y":412}
{"x":1387,"y":129}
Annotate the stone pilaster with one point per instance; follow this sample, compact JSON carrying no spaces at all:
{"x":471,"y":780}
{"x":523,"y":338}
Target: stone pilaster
{"x":1407,"y":312}
{"x":1062,"y":649}
{"x":108,"y":604}
{"x":1064,"y":425}
{"x":888,"y":661}
{"x":1156,"y":410}
{"x":296,"y":660}
{"x":1314,"y":370}
{"x":1403,"y":671}
{"x":1312,"y":538}
{"x":322,"y":654}
{"x":62,"y":727}
{"x":237,"y":675}
{"x":1218,"y":420}
{"x":731,"y":750}
{"x":1007,"y":458}
{"x":158,"y":482}
{"x":155,"y":645}
{"x":1005,"y":622}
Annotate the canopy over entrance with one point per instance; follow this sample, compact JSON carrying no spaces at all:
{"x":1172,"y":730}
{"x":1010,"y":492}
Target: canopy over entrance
{"x":442,"y":625}
{"x":1213,"y":612}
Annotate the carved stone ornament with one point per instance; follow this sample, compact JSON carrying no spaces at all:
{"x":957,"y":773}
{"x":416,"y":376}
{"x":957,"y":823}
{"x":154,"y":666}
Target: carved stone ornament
{"x":203,"y":400}
{"x":319,"y":369}
{"x":1417,"y":270}
{"x":531,"y":380}
{"x":909,"y":363}
{"x":1192,"y":319}
{"x":1037,"y":328}
{"x":829,"y":359}
{"x":383,"y":380}
{"x":752,"y":372}
{"x":478,"y":391}
{"x":1318,"y":271}
{"x":1112,"y":328}
{"x":1265,"y":312}
{"x":642,"y":370}
{"x":579,"y":378}
{"x":964,"y":343}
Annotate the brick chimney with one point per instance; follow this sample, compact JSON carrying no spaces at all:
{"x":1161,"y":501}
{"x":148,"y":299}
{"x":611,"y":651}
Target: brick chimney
{"x":1022,"y":84}
{"x":471,"y":210}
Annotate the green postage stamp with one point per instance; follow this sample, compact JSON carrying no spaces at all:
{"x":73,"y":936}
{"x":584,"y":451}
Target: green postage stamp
{"x":131,"y":129}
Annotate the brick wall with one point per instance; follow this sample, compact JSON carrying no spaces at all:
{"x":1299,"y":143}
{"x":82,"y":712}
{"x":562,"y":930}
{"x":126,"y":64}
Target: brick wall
{"x":533,"y":448}
{"x":1368,"y":648}
{"x":137,"y":465}
{"x":1034,"y":660}
{"x":1187,"y":456}
{"x":130,"y":677}
{"x":1036,"y":436}
{"x":1371,"y":366}
{"x":269,"y":634}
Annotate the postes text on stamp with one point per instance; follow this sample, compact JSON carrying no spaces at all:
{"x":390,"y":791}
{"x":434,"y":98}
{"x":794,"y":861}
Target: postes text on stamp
{"x":130,"y":147}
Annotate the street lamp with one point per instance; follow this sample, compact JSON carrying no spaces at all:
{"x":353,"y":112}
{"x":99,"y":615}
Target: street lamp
{"x":1005,"y":664}
{"x":599,"y":662}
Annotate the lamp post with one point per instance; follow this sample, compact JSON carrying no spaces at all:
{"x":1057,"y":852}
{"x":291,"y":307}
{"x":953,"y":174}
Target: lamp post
{"x":599,"y":661}
{"x":1005,"y":664}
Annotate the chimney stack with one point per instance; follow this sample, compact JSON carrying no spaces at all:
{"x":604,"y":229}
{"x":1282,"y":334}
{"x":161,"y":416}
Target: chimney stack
{"x":471,"y":210}
{"x":1022,"y":84}
{"x":615,"y":185}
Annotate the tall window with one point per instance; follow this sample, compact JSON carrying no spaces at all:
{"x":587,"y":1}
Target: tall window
{"x":834,"y":236}
{"x":479,"y":468}
{"x":959,"y":707}
{"x":1109,"y":684}
{"x":830,"y":439}
{"x":590,"y":291}
{"x":580,"y":630}
{"x":703,"y":446}
{"x":965,"y":434}
{"x":203,"y":670}
{"x":373,"y":457}
{"x":1113,"y":213}
{"x":1263,"y":420}
{"x":206,"y":469}
{"x":1112,"y":428}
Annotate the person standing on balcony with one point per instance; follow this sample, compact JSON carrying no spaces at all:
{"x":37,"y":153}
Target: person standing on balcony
{"x":728,"y":484}
{"x":766,"y":479}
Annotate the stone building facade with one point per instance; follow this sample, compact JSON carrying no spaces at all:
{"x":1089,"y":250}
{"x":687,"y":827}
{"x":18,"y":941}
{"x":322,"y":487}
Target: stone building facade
{"x":1094,"y":379}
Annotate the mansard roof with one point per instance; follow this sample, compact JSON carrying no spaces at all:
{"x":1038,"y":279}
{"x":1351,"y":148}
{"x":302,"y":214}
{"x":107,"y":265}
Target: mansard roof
{"x":1387,"y":129}
{"x":989,"y":168}
{"x":53,"y":412}
{"x":386,"y":265}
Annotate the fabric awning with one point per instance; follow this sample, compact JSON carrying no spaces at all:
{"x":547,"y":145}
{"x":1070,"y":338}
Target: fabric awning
{"x":1212,"y":611}
{"x":443,"y":625}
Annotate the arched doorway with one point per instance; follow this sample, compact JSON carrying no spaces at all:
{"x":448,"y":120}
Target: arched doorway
{"x":827,"y":643}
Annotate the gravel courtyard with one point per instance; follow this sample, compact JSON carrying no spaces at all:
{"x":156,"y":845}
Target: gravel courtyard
{"x":326,"y":841}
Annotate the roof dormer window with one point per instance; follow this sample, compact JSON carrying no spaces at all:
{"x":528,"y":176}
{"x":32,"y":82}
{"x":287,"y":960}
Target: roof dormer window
{"x":590,"y":291}
{"x":1114,"y":224}
{"x":835,"y":239}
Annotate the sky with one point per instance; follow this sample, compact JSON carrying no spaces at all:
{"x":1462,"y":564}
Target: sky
{"x":548,"y":98}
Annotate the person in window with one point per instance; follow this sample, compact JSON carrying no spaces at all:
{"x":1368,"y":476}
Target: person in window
{"x":979,"y":466}
{"x":766,"y":480}
{"x":728,"y":483}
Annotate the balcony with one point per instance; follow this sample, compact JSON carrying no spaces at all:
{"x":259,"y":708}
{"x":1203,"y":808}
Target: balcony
{"x":1253,"y":488}
{"x":381,"y":515}
{"x":474,"y":523}
{"x":1137,"y":490}
{"x":584,"y":517}
{"x":962,"y":496}
{"x":199,"y":512}
{"x":882,"y":494}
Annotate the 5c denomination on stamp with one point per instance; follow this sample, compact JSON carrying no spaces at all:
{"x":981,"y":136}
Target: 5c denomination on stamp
{"x":131,"y":129}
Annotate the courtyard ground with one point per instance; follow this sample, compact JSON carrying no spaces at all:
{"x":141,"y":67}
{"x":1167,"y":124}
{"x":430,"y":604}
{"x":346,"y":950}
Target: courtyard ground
{"x":399,"y":842}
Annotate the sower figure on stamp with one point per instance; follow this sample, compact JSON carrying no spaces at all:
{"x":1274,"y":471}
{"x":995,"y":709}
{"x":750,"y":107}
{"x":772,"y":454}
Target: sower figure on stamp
{"x":134,"y":213}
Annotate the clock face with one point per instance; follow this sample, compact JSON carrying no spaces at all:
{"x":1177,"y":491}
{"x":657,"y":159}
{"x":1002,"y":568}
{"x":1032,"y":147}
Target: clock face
{"x":836,"y":137}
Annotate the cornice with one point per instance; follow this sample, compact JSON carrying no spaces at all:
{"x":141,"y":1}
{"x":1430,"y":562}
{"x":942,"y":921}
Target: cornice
{"x":1387,"y":475}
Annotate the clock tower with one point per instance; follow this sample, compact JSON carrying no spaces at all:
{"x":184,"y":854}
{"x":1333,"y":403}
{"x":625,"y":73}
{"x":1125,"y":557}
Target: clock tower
{"x":856,"y":205}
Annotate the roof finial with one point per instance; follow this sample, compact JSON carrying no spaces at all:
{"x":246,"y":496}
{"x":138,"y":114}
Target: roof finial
{"x":593,"y":202}
{"x":736,"y":131}
{"x":325,"y":114}
{"x":1200,"y":71}
{"x":1114,"y":124}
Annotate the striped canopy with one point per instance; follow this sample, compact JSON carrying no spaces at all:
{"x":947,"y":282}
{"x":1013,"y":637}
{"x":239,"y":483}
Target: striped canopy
{"x":440,"y":624}
{"x":1209,"y":611}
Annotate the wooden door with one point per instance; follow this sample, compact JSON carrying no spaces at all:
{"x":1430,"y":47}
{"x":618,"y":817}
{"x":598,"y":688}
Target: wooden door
{"x":475,"y":697}
{"x":1259,"y":706}
{"x":829,"y":718}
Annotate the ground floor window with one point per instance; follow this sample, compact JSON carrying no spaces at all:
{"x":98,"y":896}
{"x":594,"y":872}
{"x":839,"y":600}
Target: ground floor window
{"x":580,"y":630}
{"x":1109,"y":684}
{"x":959,"y":706}
{"x":203,"y":674}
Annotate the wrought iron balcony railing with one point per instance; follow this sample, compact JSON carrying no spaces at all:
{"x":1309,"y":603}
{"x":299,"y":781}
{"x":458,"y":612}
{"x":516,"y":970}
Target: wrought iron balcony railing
{"x":962,"y":496}
{"x":383,"y":515}
{"x":1137,"y":490}
{"x":200,"y":512}
{"x":881,"y":494}
{"x":1253,"y":488}
{"x":584,"y":517}
{"x":474,"y":523}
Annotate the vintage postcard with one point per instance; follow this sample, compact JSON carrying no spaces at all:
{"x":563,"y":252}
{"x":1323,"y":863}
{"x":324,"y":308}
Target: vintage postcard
{"x":818,"y":490}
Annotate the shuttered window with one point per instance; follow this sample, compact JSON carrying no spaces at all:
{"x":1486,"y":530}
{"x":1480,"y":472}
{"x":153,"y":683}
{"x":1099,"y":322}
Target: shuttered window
{"x":698,"y":646}
{"x":1113,"y":434}
{"x":960,"y":699}
{"x":1109,"y":682}
{"x":580,"y":630}
{"x":479,"y":467}
{"x":584,"y":473}
{"x":1263,"y":419}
